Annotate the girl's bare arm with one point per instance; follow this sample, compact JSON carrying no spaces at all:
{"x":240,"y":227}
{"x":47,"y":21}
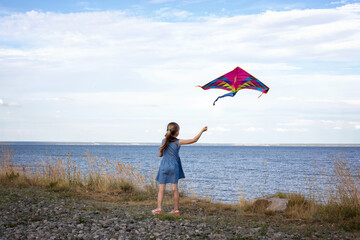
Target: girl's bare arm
{"x":194,"y":140}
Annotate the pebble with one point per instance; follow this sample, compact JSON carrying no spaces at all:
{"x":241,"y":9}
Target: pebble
{"x":66,"y":219}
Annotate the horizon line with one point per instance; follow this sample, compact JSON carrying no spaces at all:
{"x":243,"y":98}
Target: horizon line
{"x":155,"y":143}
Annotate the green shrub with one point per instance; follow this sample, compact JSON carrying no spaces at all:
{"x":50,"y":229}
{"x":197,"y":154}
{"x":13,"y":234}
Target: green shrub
{"x":12,"y":176}
{"x":126,"y":186}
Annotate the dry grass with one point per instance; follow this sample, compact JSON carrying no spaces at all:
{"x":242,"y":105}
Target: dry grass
{"x":336,"y":201}
{"x":102,"y":176}
{"x":340,"y":197}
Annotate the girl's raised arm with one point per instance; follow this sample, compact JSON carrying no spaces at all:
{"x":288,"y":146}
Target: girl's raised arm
{"x":194,"y":140}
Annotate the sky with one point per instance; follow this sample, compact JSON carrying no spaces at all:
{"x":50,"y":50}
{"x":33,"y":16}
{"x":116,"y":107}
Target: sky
{"x":119,"y":71}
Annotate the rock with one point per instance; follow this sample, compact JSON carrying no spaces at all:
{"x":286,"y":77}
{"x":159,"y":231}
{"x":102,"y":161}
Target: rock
{"x":278,"y":235}
{"x":271,"y":204}
{"x":261,"y":204}
{"x":202,"y":225}
{"x":278,"y":204}
{"x":255,"y":230}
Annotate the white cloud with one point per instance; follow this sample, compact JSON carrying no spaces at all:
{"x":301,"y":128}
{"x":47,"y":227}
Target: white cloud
{"x":291,"y":129}
{"x":286,"y":98}
{"x":125,"y":66}
{"x":281,"y":129}
{"x":339,"y":2}
{"x":300,"y":129}
{"x":337,"y":101}
{"x":271,"y":66}
{"x":335,"y":124}
{"x":111,"y":35}
{"x":58,"y":99}
{"x":219,"y":129}
{"x":341,"y":124}
{"x":253,"y":129}
{"x":351,"y":101}
{"x":327,"y":121}
{"x":57,"y":114}
{"x":160,"y":1}
{"x":9,"y":104}
{"x":133,"y":98}
{"x":86,"y":6}
{"x":13,"y":104}
{"x":171,"y":13}
{"x":297,"y":122}
{"x":356,"y":125}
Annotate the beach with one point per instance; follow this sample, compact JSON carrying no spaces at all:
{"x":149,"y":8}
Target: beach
{"x":32,"y":212}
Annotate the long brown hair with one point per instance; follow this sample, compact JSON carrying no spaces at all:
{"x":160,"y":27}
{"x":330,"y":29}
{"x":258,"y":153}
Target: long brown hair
{"x":171,"y":129}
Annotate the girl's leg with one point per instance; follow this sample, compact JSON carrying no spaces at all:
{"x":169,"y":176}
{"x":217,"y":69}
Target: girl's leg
{"x":161,"y":194}
{"x":174,"y":187}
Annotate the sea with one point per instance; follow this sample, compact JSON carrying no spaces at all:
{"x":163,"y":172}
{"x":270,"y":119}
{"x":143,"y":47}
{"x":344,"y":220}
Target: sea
{"x":222,"y":173}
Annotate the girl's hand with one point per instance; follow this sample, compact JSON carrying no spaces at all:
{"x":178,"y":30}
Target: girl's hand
{"x":204,"y":129}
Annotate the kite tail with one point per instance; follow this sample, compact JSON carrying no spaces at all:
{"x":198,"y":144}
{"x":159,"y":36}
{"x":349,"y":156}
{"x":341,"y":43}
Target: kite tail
{"x":231,"y":94}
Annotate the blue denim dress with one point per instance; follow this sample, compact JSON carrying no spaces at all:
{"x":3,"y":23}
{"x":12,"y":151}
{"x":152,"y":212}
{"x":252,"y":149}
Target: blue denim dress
{"x":170,"y":170}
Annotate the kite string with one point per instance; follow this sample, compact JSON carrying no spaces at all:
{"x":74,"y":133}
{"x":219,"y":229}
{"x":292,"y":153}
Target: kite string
{"x":261,"y":94}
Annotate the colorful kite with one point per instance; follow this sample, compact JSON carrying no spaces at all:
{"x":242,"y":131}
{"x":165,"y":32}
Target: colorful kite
{"x":235,"y":81}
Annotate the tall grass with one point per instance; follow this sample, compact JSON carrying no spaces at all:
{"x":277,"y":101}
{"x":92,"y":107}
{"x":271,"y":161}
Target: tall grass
{"x":340,"y":195}
{"x":100,"y":175}
{"x":334,"y":196}
{"x":8,"y":170}
{"x":347,"y":183}
{"x":340,"y":185}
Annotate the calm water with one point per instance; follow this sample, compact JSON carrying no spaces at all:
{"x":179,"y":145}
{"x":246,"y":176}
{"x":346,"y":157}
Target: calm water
{"x":220,"y":172}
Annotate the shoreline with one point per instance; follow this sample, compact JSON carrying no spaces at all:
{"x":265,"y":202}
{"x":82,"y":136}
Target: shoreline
{"x":197,"y":144}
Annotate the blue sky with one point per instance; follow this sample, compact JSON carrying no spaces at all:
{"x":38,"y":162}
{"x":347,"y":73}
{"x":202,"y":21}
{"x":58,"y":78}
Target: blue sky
{"x":119,"y":71}
{"x":149,"y":7}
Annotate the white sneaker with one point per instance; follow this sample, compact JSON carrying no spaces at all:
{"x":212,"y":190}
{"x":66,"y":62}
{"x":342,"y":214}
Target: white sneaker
{"x":156,"y":211}
{"x":174,"y":212}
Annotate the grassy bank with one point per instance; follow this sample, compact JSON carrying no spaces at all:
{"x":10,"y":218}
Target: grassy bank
{"x":333,"y":208}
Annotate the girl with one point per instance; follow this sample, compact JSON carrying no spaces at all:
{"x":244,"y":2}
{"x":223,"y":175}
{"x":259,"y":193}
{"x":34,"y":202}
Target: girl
{"x":170,"y":170}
